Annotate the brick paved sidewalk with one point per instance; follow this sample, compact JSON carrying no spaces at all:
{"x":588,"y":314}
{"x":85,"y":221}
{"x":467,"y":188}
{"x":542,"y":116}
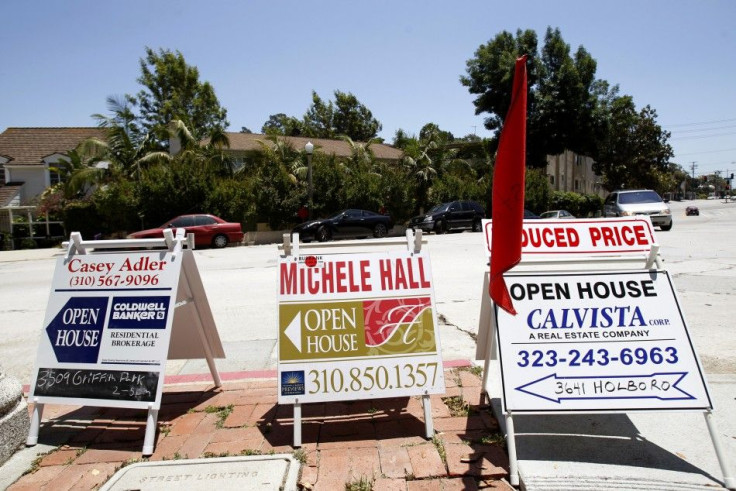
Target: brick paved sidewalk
{"x":377,"y":444}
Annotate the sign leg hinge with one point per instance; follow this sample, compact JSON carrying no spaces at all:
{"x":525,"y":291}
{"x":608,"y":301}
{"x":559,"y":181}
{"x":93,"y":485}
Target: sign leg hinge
{"x":35,"y":423}
{"x":149,"y":441}
{"x":297,"y":424}
{"x":428,"y":423}
{"x":511,"y":447}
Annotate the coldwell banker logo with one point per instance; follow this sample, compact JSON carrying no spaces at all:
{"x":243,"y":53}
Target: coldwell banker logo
{"x":139,"y":313}
{"x":292,"y":383}
{"x":76,"y":330}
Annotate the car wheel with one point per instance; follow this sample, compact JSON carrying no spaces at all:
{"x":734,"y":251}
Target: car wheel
{"x":379,"y":231}
{"x":441,"y":227}
{"x":322,"y":235}
{"x":666,"y":228}
{"x":219,"y":241}
{"x":476,"y":225}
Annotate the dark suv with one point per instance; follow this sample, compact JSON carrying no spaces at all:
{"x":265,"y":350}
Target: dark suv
{"x":450,"y":216}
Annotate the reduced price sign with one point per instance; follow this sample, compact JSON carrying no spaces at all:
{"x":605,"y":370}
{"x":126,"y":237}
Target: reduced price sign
{"x":357,"y":326}
{"x":610,"y":341}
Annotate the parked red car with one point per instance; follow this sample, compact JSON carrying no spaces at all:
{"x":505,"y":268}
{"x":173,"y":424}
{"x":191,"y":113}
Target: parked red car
{"x":208,"y":230}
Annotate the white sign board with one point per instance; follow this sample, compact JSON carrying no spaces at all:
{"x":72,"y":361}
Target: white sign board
{"x":107,"y":330}
{"x":582,"y":236}
{"x":604,"y":341}
{"x":357,"y":326}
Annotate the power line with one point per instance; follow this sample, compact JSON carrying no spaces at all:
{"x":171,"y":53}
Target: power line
{"x":701,"y":137}
{"x":700,"y":130}
{"x":709,"y":151}
{"x":701,"y":123}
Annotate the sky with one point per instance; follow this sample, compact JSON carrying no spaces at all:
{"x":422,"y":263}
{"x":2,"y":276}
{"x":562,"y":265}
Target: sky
{"x":402,"y":59}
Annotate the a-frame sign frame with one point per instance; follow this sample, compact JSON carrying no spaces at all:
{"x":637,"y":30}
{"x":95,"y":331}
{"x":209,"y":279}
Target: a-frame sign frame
{"x":599,"y":329}
{"x":113,"y":320}
{"x":357,"y":324}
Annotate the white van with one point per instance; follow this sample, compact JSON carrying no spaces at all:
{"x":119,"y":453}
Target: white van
{"x":639,"y":202}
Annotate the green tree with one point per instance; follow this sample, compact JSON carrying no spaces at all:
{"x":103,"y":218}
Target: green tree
{"x":126,"y":148}
{"x":77,"y":173}
{"x":209,"y":152}
{"x":352,"y":119}
{"x":363,"y":186}
{"x":172,"y":90}
{"x":560,"y":99}
{"x":632,"y":149}
{"x":490,"y":74}
{"x":281,"y":124}
{"x":279,"y":180}
{"x":564,"y":100}
{"x":401,"y":139}
{"x":346,"y":116}
{"x":317,"y":121}
{"x":537,"y":192}
{"x":426,"y":159}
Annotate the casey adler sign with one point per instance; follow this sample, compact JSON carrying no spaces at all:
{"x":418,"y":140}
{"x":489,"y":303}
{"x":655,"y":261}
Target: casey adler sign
{"x":607,"y":341}
{"x":357,"y":326}
{"x":107,"y":330}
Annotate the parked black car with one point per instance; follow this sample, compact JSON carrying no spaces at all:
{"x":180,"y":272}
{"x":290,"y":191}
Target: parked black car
{"x":345,"y":224}
{"x":450,"y":216}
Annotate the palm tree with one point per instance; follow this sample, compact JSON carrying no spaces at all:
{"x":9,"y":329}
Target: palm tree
{"x":125,"y":147}
{"x":421,"y":166}
{"x":281,"y":153}
{"x":77,"y":174}
{"x":361,"y":153}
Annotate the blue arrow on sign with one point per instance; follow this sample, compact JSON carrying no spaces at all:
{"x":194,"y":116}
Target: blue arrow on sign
{"x":76,"y":331}
{"x":661,"y":386}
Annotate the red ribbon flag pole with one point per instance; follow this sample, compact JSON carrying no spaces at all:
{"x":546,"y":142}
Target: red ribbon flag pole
{"x":508,"y":191}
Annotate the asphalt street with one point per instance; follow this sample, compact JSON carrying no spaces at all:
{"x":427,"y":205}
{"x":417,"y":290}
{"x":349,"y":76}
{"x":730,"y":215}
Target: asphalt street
{"x":241,"y":285}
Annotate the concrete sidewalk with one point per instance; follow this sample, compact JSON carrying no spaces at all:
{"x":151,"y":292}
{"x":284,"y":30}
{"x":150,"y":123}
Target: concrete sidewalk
{"x":379,"y":441}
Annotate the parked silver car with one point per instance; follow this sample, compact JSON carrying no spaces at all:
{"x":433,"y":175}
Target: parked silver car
{"x":564,"y":214}
{"x":632,"y":202}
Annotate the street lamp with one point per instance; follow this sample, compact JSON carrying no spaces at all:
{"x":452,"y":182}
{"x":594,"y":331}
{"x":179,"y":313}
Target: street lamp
{"x":309,"y":148}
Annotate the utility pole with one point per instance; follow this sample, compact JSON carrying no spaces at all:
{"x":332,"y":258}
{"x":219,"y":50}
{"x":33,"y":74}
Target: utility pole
{"x":693,"y":167}
{"x":692,"y":171}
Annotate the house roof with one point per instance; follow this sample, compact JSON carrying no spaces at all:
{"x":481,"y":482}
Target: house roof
{"x":29,"y":146}
{"x":249,"y":142}
{"x":8,"y":192}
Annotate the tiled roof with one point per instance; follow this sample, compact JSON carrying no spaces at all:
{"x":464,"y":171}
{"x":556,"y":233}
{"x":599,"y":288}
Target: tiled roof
{"x":28,"y":146}
{"x":249,"y":142}
{"x":8,"y":192}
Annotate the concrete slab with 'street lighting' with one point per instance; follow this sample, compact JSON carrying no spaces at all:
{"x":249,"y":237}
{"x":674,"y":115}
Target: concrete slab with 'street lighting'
{"x":263,"y":472}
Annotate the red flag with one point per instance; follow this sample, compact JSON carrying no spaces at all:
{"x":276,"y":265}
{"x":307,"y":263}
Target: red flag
{"x":508,"y":191}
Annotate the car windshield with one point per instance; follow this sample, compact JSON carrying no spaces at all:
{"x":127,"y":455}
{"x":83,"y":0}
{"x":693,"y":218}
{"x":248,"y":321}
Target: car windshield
{"x":438,"y":208}
{"x":639,"y":197}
